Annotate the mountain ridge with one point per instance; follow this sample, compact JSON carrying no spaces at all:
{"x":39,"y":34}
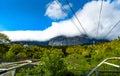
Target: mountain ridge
{"x":63,"y":41}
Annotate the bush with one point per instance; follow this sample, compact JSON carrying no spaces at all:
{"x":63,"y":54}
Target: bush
{"x":51,"y":64}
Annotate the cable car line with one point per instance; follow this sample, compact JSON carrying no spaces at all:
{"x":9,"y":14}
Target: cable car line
{"x":99,"y":19}
{"x":76,"y":17}
{"x":72,"y":20}
{"x":112,"y":29}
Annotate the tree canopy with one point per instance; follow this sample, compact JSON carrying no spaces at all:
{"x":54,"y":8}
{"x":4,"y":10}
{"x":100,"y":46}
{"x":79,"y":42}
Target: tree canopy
{"x":4,"y":38}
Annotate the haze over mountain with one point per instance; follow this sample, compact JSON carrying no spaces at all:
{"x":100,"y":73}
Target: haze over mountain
{"x":63,"y":41}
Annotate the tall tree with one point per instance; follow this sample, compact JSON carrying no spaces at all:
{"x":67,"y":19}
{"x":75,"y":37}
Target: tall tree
{"x":4,"y":38}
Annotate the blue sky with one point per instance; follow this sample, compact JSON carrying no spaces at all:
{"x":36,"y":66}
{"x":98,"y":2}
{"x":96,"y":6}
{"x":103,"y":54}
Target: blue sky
{"x":29,"y":14}
{"x":42,"y":20}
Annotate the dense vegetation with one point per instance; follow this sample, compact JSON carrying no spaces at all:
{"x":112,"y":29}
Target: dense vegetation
{"x":60,"y":61}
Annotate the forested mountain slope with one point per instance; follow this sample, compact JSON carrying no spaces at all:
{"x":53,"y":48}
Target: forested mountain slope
{"x":76,"y":59}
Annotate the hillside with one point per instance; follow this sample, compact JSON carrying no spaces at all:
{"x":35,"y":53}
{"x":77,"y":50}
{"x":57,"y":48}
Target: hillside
{"x":84,"y":56}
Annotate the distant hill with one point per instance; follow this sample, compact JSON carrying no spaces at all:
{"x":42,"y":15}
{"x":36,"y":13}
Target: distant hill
{"x":76,"y":40}
{"x":63,"y":41}
{"x":45,"y":43}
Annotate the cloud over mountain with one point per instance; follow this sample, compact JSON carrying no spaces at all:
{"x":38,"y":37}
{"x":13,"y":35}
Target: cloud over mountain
{"x":88,"y":15}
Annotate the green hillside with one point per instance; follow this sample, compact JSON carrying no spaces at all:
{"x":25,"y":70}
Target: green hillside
{"x":60,"y":61}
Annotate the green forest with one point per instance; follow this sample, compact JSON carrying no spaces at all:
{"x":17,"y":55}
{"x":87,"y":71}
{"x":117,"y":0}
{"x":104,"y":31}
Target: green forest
{"x":59,"y":61}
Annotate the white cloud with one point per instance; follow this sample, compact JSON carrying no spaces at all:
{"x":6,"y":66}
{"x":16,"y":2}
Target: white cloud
{"x":54,"y":11}
{"x":56,"y":29}
{"x":89,"y":19}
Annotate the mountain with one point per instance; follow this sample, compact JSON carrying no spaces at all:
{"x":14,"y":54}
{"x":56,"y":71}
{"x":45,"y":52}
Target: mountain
{"x":63,"y":41}
{"x":76,"y":40}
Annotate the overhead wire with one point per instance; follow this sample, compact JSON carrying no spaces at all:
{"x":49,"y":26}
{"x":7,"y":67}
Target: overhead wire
{"x":76,"y":17}
{"x":70,"y":19}
{"x":99,"y":19}
{"x":112,"y":29}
